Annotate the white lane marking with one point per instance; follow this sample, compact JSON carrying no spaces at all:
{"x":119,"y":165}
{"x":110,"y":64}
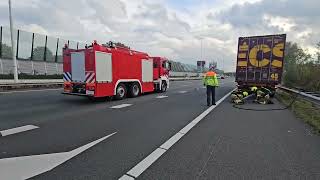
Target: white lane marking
{"x":160,"y":97}
{"x":35,"y":90}
{"x":17,"y":130}
{"x":187,"y":128}
{"x":25,"y":167}
{"x":144,"y":164}
{"x":171,"y":141}
{"x":151,"y":158}
{"x":121,"y":106}
{"x":126,"y":177}
{"x":182,"y":92}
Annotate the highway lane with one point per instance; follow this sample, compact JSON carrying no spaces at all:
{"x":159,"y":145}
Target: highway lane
{"x":235,"y":144}
{"x":38,"y":106}
{"x":66,"y":123}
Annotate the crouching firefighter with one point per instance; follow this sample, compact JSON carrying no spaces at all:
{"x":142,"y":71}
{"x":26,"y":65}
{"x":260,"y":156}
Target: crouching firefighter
{"x":210,"y":80}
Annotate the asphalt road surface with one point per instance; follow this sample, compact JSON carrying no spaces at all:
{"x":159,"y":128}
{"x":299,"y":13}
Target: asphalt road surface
{"x":47,"y":135}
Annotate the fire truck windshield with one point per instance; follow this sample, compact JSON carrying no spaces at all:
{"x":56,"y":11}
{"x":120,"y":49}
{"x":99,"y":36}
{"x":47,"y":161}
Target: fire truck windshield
{"x":166,"y":65}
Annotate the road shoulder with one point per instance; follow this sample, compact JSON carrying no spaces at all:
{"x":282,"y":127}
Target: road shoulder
{"x":231,"y":143}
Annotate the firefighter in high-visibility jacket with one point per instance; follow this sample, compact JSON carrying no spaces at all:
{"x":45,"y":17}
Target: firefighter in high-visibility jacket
{"x":210,"y":80}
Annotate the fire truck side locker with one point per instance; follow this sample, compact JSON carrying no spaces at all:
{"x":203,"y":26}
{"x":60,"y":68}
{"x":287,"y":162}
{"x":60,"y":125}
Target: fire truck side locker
{"x":78,"y":66}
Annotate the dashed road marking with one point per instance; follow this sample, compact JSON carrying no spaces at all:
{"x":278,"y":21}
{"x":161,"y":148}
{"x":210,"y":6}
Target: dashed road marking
{"x":161,"y":97}
{"x":120,"y":106}
{"x":25,"y":167}
{"x":156,"y":154}
{"x":182,"y":92}
{"x":18,"y":130}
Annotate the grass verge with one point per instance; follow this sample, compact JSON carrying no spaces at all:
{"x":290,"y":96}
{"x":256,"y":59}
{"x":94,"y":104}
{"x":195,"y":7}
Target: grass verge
{"x":305,"y":110}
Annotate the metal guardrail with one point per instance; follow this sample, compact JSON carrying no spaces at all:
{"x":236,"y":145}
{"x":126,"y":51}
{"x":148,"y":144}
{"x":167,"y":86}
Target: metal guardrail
{"x":303,"y":94}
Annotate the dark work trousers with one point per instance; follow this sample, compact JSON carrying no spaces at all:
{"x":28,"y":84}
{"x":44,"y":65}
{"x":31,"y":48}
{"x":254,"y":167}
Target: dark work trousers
{"x":211,"y":91}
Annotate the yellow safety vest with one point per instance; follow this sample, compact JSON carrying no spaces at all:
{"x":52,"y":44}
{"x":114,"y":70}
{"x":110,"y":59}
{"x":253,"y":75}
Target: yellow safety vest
{"x":210,"y":79}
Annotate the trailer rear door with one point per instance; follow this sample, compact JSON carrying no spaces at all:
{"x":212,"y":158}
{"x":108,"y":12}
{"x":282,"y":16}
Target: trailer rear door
{"x":260,"y":59}
{"x":78,"y":66}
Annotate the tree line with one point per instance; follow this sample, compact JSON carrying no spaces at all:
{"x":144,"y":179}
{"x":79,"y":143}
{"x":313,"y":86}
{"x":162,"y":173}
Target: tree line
{"x":301,"y":69}
{"x":37,"y":53}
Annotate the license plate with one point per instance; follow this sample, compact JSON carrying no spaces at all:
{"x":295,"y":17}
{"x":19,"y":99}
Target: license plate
{"x":90,"y":92}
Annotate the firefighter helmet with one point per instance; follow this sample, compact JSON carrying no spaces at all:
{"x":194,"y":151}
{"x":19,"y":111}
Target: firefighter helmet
{"x":254,"y":88}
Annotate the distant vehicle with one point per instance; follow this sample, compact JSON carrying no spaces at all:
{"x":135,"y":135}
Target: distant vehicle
{"x":109,"y":70}
{"x":222,"y":77}
{"x":260,"y":61}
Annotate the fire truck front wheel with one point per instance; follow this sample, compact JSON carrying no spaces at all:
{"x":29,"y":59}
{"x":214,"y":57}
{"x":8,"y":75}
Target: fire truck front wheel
{"x":164,"y":86}
{"x":134,"y":90}
{"x":121,"y":91}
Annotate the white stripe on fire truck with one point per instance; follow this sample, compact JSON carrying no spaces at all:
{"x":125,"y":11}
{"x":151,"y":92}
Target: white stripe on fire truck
{"x":67,"y":76}
{"x":90,"y":78}
{"x":88,"y":74}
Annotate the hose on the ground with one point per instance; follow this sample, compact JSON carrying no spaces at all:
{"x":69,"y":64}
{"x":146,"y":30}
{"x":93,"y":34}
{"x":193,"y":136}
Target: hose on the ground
{"x":272,"y":109}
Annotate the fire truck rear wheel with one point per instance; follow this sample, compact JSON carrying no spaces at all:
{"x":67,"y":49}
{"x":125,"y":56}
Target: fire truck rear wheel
{"x":121,"y":91}
{"x":134,"y":90}
{"x":164,"y":86}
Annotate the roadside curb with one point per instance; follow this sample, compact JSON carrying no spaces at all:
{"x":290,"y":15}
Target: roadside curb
{"x":8,"y":87}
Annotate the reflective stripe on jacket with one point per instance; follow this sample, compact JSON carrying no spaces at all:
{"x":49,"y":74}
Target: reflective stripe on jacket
{"x":210,"y":79}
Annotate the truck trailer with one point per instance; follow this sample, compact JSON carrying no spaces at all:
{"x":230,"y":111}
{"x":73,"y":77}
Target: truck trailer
{"x":260,"y":61}
{"x":109,"y":70}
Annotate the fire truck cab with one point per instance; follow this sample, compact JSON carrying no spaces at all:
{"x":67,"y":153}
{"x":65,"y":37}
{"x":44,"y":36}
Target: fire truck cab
{"x":109,"y":70}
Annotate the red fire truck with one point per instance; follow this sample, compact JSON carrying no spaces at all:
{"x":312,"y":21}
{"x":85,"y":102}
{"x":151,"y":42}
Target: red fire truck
{"x":109,"y":70}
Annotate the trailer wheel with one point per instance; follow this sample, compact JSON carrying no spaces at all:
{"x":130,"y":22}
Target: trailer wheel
{"x":121,"y":91}
{"x":134,"y":90}
{"x":273,"y":93}
{"x":164,"y":86}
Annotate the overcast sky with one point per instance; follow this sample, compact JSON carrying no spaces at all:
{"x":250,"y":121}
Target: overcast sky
{"x":171,"y":28}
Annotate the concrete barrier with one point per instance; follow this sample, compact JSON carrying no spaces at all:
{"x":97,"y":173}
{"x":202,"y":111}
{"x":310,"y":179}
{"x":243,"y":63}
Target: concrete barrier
{"x":185,"y":79}
{"x":7,"y":85}
{"x":30,"y":81}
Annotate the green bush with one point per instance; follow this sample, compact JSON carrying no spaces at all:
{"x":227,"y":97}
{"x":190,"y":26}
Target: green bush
{"x":301,"y":70}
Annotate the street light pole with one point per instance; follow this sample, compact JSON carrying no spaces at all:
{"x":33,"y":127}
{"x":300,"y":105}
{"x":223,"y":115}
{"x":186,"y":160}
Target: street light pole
{"x":15,"y":67}
{"x":201,"y":49}
{"x":201,"y":54}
